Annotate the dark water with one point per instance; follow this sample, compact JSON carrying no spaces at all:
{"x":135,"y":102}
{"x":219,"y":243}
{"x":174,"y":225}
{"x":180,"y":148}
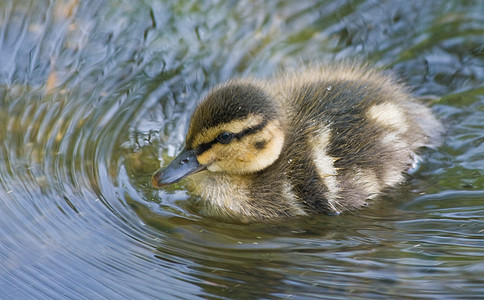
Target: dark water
{"x":95,"y":95}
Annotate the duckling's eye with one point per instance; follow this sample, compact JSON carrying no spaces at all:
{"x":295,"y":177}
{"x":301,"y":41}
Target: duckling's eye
{"x":225,"y":137}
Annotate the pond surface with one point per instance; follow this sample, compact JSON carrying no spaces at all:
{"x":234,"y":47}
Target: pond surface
{"x":96,"y":95}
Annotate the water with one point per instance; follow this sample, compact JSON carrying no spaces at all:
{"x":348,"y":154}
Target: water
{"x":95,"y":95}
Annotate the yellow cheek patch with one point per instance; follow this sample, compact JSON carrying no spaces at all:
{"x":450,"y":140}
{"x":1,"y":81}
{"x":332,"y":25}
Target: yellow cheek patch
{"x":236,"y":126}
{"x":273,"y":135}
{"x":227,"y":158}
{"x":230,"y":155}
{"x":242,"y":157}
{"x":207,"y":157}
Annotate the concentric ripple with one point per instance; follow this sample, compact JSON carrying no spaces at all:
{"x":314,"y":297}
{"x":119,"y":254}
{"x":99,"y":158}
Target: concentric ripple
{"x":95,"y":95}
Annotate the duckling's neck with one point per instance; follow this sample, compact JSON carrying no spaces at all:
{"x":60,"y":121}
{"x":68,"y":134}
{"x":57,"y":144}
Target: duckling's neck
{"x":245,"y":197}
{"x":224,"y":194}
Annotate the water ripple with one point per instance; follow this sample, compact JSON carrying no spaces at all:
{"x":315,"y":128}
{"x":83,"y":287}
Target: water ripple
{"x":95,"y":95}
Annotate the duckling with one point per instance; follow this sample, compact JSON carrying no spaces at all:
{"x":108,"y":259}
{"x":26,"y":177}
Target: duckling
{"x":321,"y":140}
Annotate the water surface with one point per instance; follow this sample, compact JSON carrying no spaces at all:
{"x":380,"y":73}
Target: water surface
{"x":96,"y":95}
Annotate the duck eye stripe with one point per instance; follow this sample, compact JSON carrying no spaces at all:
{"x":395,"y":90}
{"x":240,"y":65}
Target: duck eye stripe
{"x":251,"y":130}
{"x":248,"y":131}
{"x":204,"y":147}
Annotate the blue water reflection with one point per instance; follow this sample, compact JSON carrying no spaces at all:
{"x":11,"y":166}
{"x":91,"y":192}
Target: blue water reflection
{"x":95,"y":95}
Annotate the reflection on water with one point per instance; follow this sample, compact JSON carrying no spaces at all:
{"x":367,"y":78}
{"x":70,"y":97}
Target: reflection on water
{"x":94,"y":94}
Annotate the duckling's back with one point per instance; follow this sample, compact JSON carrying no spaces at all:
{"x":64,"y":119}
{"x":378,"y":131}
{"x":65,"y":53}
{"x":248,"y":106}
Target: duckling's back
{"x":352,"y":133}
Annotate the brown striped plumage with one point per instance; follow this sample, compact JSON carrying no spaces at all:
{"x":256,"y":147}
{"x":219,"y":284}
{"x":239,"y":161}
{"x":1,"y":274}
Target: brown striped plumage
{"x":317,"y":140}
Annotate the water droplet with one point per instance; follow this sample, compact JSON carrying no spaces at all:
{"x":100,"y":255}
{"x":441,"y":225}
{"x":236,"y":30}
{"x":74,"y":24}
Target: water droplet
{"x":329,"y":88}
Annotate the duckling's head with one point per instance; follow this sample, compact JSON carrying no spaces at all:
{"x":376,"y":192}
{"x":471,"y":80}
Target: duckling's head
{"x":236,"y":129}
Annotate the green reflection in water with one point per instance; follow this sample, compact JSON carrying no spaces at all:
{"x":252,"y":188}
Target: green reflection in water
{"x":95,"y":95}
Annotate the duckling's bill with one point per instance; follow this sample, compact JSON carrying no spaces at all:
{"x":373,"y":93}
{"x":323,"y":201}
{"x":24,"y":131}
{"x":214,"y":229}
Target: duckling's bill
{"x":184,"y":164}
